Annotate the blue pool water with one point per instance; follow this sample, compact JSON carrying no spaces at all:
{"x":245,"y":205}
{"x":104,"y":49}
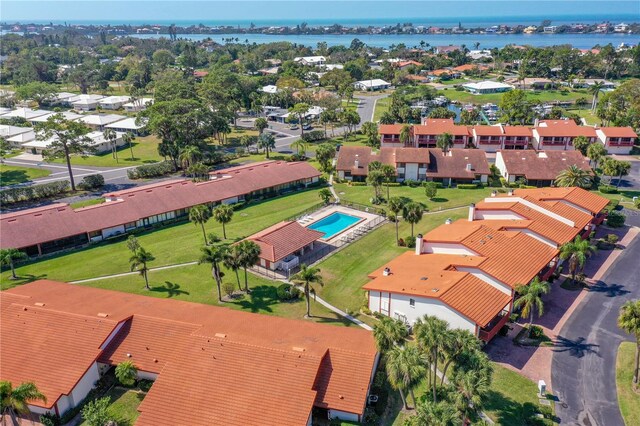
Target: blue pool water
{"x":334,"y":224}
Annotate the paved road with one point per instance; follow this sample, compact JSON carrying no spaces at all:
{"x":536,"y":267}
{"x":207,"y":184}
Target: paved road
{"x":583,"y":367}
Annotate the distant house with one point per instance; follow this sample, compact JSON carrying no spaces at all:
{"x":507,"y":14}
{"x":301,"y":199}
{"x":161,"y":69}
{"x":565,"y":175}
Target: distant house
{"x":26,"y":113}
{"x":372,"y":85}
{"x":137,"y":105}
{"x":271,"y":89}
{"x":617,"y":140}
{"x":62,"y":98}
{"x":539,"y":168}
{"x":85,"y":102}
{"x":426,"y":135}
{"x":406,"y":64}
{"x":494,"y":138}
{"x":311,"y":60}
{"x":446,"y":49}
{"x":559,"y":134}
{"x":99,"y":143}
{"x":588,"y":82}
{"x":68,"y":115}
{"x":128,"y":125}
{"x":113,"y":102}
{"x":99,"y":121}
{"x":16,"y":135}
{"x":485,"y":87}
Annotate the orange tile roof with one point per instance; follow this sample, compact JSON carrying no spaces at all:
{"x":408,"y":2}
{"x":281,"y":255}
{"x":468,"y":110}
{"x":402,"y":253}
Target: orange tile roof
{"x":282,"y":239}
{"x":389,"y":129}
{"x":404,"y":155}
{"x":485,"y":130}
{"x":564,"y":128}
{"x":259,"y":360}
{"x":476,"y":299}
{"x":348,"y":155}
{"x":582,"y":198}
{"x":438,"y":126}
{"x":542,"y":165}
{"x":618,"y":132}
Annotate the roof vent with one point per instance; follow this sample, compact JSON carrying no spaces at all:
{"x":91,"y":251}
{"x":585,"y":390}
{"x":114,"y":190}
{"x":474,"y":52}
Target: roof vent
{"x":298,"y":349}
{"x":435,"y":290}
{"x":129,"y":355}
{"x":221,"y":335}
{"x":39,"y":304}
{"x":424,"y":278}
{"x":102,"y":315}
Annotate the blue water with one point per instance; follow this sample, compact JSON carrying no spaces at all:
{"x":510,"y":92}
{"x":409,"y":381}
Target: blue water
{"x":333,"y":224}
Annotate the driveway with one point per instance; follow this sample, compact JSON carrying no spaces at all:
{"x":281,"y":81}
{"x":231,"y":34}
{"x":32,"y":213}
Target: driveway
{"x":583,"y":366}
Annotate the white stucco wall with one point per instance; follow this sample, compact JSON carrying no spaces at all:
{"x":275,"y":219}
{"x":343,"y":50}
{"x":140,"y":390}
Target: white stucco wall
{"x":486,"y":278}
{"x":496,"y":215}
{"x":39,"y":410}
{"x":85,"y":384}
{"x":621,"y":150}
{"x":112,"y":335}
{"x":536,"y":236}
{"x":447,"y":248}
{"x":147,"y":375}
{"x":411,"y":171}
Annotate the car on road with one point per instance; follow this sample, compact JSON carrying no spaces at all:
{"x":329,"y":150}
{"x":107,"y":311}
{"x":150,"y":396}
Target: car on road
{"x":307,"y":126}
{"x":293,"y":127}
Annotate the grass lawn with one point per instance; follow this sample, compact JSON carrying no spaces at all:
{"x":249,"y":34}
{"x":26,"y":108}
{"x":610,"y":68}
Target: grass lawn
{"x":454,"y":81}
{"x":446,"y":197}
{"x":350,"y":105}
{"x":625,"y":196}
{"x":628,"y":399}
{"x":145,"y":150}
{"x":346,"y":271}
{"x":382,"y":106}
{"x":86,"y":203}
{"x":124,"y":405}
{"x":537,"y":96}
{"x":512,"y":399}
{"x":171,"y":244}
{"x":587,"y":114}
{"x":11,"y":175}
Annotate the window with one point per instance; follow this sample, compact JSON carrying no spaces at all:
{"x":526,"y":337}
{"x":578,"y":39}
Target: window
{"x":412,"y":303}
{"x":401,"y":165}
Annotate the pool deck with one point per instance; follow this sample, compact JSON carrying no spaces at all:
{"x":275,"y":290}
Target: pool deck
{"x":365,"y":219}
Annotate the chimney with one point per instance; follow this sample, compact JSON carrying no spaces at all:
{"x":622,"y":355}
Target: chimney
{"x":510,"y":192}
{"x":501,"y":128}
{"x":356,"y":162}
{"x":494,"y":193}
{"x":472,"y":212}
{"x":536,"y":122}
{"x":419,"y":244}
{"x":469,"y":167}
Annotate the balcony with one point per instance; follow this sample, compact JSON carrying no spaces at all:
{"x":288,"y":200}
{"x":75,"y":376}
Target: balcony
{"x":487,"y":333}
{"x":492,"y":141}
{"x":390,"y":139}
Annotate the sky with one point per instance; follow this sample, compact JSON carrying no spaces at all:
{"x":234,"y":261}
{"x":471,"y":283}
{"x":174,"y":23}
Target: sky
{"x":310,"y":10}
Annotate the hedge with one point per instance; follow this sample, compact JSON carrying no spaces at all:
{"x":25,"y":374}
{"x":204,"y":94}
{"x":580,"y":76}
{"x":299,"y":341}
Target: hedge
{"x":467,"y":186}
{"x":313,"y":136}
{"x":33,"y":192}
{"x":439,"y":185}
{"x":91,"y":182}
{"x":616,"y":219}
{"x":357,"y":183}
{"x":608,"y":189}
{"x":287,"y":292}
{"x":151,"y":170}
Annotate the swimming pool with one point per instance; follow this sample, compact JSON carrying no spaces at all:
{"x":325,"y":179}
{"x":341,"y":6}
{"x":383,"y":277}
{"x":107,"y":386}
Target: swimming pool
{"x":334,"y":224}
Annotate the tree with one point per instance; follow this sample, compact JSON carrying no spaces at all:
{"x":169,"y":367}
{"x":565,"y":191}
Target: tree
{"x":249,"y":256}
{"x":127,"y":139}
{"x":325,"y":195}
{"x":300,"y":146}
{"x":67,"y":137}
{"x":395,"y":206}
{"x":308,"y":276}
{"x":430,"y":190}
{"x":609,"y":168}
{"x":214,"y":255}
{"x":431,"y":333}
{"x":5,"y":149}
{"x":405,"y":367}
{"x":112,"y":137}
{"x":14,"y":401}
{"x":267,"y":141}
{"x":200,"y":215}
{"x":595,"y":90}
{"x":441,"y":112}
{"x":325,"y":154}
{"x":126,"y":373}
{"x":577,"y":252}
{"x":189,"y":155}
{"x":470,"y":391}
{"x":261,"y":124}
{"x":387,"y":333}
{"x":300,"y":110}
{"x":622,"y":169}
{"x":133,"y":244}
{"x":233,"y":260}
{"x":405,"y":135}
{"x":629,"y":321}
{"x":516,"y":109}
{"x":8,"y":257}
{"x":139,"y":262}
{"x":531,"y":298}
{"x":375,"y":179}
{"x":388,"y":175}
{"x":199,"y":172}
{"x":37,"y":91}
{"x":574,"y":176}
{"x":350,"y":119}
{"x":432,"y":413}
{"x":412,"y":213}
{"x":581,"y":143}
{"x":95,"y":413}
{"x":223,"y":215}
{"x":457,"y":343}
{"x":370,"y":130}
{"x":444,"y":141}
{"x":596,"y":152}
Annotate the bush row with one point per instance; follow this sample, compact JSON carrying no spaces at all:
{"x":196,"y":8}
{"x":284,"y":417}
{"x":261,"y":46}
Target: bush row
{"x":91,"y":182}
{"x":151,"y":170}
{"x":608,"y":189}
{"x":33,"y":192}
{"x":313,"y":136}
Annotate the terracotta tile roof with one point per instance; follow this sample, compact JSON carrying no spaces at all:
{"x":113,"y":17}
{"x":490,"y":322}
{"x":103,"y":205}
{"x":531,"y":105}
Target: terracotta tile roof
{"x":517,"y":131}
{"x":502,"y":130}
{"x":542,"y":165}
{"x":470,"y":67}
{"x":282,"y":239}
{"x":441,"y":71}
{"x":259,"y":360}
{"x":476,"y":299}
{"x":404,"y":155}
{"x":488,"y":130}
{"x":389,"y":129}
{"x":348,"y":155}
{"x":437,"y":126}
{"x":454,"y":163}
{"x":618,"y":132}
{"x":564,"y":128}
{"x":407,"y":63}
{"x":32,"y":226}
{"x":579,"y":197}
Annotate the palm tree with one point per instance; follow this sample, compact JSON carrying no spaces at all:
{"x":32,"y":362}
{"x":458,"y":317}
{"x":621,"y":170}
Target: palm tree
{"x":531,"y":298}
{"x":458,"y":342}
{"x":139,"y":262}
{"x":300,"y":146}
{"x":375,"y":179}
{"x":8,"y":257}
{"x":388,"y":174}
{"x":395,"y":206}
{"x":444,"y":141}
{"x":431,"y":333}
{"x":126,"y":373}
{"x":223,"y":215}
{"x":577,"y":251}
{"x":574,"y":176}
{"x":388,"y":333}
{"x":308,"y":276}
{"x":596,"y":152}
{"x":267,"y":141}
{"x":629,"y":321}
{"x":405,"y":135}
{"x":200,"y":215}
{"x":595,"y":90}
{"x":127,"y":138}
{"x":412,"y":213}
{"x":233,"y":260}
{"x":250,"y":255}
{"x":432,"y":413}
{"x":111,"y":136}
{"x":15,"y":401}
{"x":325,"y":195}
{"x":405,"y":367}
{"x":214,"y":255}
{"x":188,"y":155}
{"x":261,"y":124}
{"x":470,"y":390}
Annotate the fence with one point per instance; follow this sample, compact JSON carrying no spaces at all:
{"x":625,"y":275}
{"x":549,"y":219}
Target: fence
{"x":311,"y":209}
{"x":362,"y":207}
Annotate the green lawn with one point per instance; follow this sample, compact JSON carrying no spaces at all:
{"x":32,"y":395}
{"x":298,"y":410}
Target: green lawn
{"x":124,"y":405}
{"x":382,"y":106}
{"x":446,"y":197}
{"x":145,"y":150}
{"x":628,"y":399}
{"x":171,"y":244}
{"x":11,"y":175}
{"x":85,"y":203}
{"x":454,"y":81}
{"x":625,"y":197}
{"x":537,"y":96}
{"x":350,"y":105}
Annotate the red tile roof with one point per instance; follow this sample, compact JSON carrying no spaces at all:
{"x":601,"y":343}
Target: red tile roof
{"x":454,"y":163}
{"x":542,"y":165}
{"x":502,"y":130}
{"x":258,"y":362}
{"x":579,"y":197}
{"x":32,"y":226}
{"x":348,"y":155}
{"x":438,"y":126}
{"x":394,"y":156}
{"x":282,"y":239}
{"x":618,"y":132}
{"x":389,"y":129}
{"x":564,"y":128}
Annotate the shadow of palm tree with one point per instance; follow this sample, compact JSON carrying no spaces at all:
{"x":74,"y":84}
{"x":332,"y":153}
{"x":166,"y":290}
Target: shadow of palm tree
{"x":510,"y":412}
{"x":576,"y":348}
{"x":22,"y":279}
{"x":610,"y":290}
{"x":439,"y":200}
{"x":172,"y":289}
{"x":332,"y":320}
{"x":260,"y":299}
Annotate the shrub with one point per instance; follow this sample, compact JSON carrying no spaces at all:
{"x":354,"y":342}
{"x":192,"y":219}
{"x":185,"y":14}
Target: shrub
{"x":536,"y":332}
{"x":34,"y":192}
{"x":151,"y":170}
{"x":49,"y":420}
{"x":615,"y":219}
{"x":392,"y":184}
{"x":95,"y":412}
{"x":287,"y":292}
{"x":212,"y":238}
{"x":410,"y":241}
{"x":313,"y":136}
{"x":612,"y":238}
{"x":503,"y":182}
{"x":613,"y":205}
{"x":366,"y":310}
{"x":296,"y":157}
{"x":467,"y":186}
{"x":126,"y":373}
{"x":438,"y":185}
{"x":430,"y":190}
{"x":91,"y":182}
{"x":401,"y":242}
{"x":411,"y":183}
{"x":637,"y":203}
{"x":228,"y":288}
{"x":608,"y":189}
{"x":357,"y":183}
{"x":527,"y":186}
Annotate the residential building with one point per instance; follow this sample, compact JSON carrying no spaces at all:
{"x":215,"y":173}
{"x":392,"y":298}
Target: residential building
{"x":218,"y":365}
{"x":390,"y":135}
{"x":426,"y":135}
{"x":137,"y":105}
{"x":47,"y":229}
{"x":128,"y":125}
{"x":559,"y":134}
{"x":68,"y":115}
{"x":10,"y":132}
{"x":283,"y":243}
{"x":27,"y":113}
{"x":406,"y":64}
{"x":617,"y":140}
{"x":85,"y":102}
{"x":97,"y":140}
{"x":113,"y":102}
{"x":484,"y":87}
{"x":311,"y":61}
{"x":538,"y":168}
{"x":498,"y":137}
{"x":272,"y":89}
{"x":371,"y":85}
{"x":62,"y":99}
{"x":99,"y":121}
{"x":445,"y":49}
